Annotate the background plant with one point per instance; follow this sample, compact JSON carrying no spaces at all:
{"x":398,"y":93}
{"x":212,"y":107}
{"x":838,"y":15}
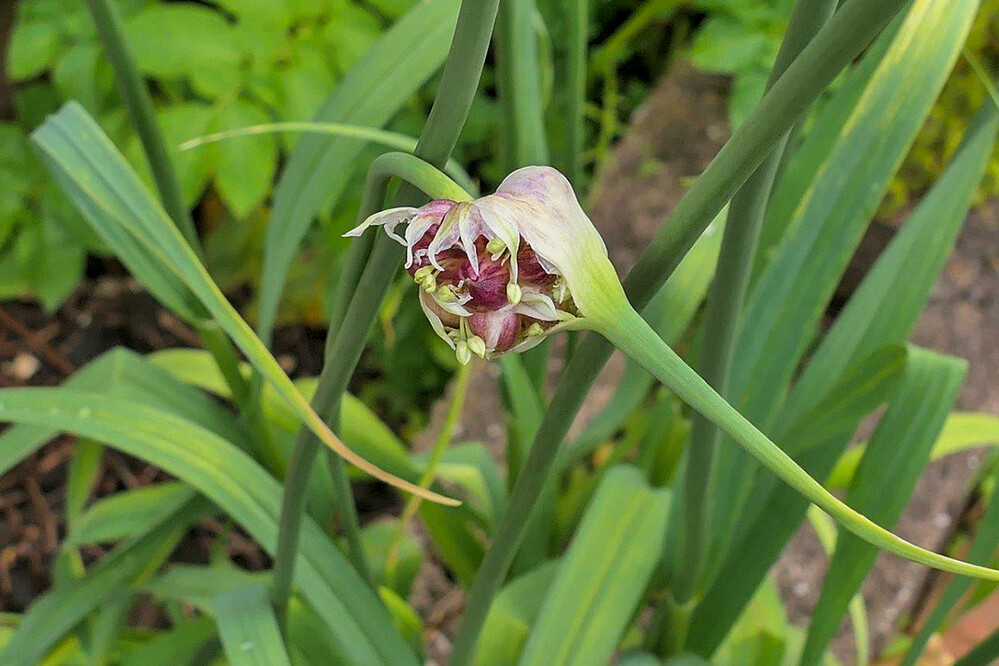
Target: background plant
{"x":565,"y":550}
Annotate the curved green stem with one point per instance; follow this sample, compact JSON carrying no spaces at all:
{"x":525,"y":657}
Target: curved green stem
{"x":724,"y":305}
{"x":849,"y":31}
{"x":140,"y":107}
{"x":385,"y":138}
{"x":627,"y":331}
{"x":337,"y":369}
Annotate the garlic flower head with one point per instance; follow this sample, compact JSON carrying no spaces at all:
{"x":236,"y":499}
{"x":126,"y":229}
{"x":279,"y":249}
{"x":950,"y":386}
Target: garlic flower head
{"x":500,"y":273}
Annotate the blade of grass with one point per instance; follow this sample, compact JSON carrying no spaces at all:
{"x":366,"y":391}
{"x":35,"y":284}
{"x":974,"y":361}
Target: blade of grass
{"x":961,"y":431}
{"x":846,"y":35}
{"x":385,"y":138}
{"x":140,"y":107}
{"x":578,"y":21}
{"x":602,"y":575}
{"x":881,"y":312}
{"x":894,"y":461}
{"x":724,"y":310}
{"x":249,"y":631}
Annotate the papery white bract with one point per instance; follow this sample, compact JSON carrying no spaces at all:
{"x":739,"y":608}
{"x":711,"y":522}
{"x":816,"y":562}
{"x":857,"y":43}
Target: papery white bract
{"x":499,"y":273}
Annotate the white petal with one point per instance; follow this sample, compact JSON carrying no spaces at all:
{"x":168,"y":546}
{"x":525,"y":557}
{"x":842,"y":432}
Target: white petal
{"x":497,"y":226}
{"x":538,"y":306}
{"x":540,"y":201}
{"x":389,"y":219}
{"x":435,"y":321}
{"x":448,"y":234}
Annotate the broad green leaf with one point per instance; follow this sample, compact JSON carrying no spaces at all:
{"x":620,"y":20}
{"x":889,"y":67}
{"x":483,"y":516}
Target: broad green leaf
{"x":249,"y":630}
{"x":54,"y":614}
{"x":124,"y":514}
{"x":173,"y":40}
{"x":377,"y":539}
{"x":785,"y":308}
{"x":246,"y":166}
{"x":511,"y":616}
{"x":893,"y":462}
{"x":961,"y":431}
{"x":858,"y":391}
{"x":121,"y":372}
{"x":404,"y":617}
{"x":234,"y":482}
{"x":199,"y":586}
{"x":97,"y":178}
{"x":982,"y":549}
{"x":361,"y":427}
{"x":84,"y":466}
{"x":33,"y":48}
{"x":603,"y":575}
{"x":370,"y":94}
{"x":881,"y":312}
{"x":762,"y":633}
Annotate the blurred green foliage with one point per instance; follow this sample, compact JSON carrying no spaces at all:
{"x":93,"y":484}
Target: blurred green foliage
{"x":942,"y":133}
{"x":741,"y":39}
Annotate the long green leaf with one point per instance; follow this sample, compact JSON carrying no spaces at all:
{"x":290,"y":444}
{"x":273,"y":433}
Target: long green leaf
{"x":384,"y":138}
{"x":961,"y":431}
{"x":881,"y":312}
{"x":126,"y":513}
{"x":110,"y":195}
{"x":172,"y":647}
{"x":373,"y":91}
{"x":510,"y":619}
{"x":983,"y":654}
{"x":789,"y":298}
{"x":894,"y":461}
{"x":250,"y":634}
{"x":233,"y":481}
{"x":123,"y":373}
{"x":603,"y":575}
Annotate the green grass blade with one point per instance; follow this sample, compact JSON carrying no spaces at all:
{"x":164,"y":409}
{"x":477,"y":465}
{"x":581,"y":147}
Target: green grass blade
{"x":384,"y":138}
{"x":825,"y":530}
{"x":123,"y":373}
{"x":881,"y":312}
{"x":140,"y":107}
{"x":54,"y":614}
{"x":790,"y":296}
{"x":249,"y":631}
{"x":894,"y":461}
{"x":981,"y":550}
{"x":510,"y":619}
{"x":961,"y":431}
{"x":109,"y":193}
{"x":370,"y":94}
{"x":233,"y":481}
{"x":603,"y":575}
{"x":127,"y":513}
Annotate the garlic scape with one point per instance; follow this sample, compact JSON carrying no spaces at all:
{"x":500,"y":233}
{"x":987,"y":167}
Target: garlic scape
{"x":499,"y":273}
